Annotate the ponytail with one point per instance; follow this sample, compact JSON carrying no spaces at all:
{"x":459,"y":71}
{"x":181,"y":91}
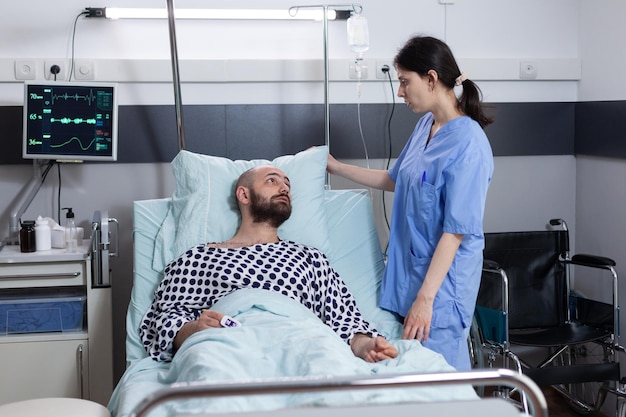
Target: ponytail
{"x":423,"y":53}
{"x":470,"y":103}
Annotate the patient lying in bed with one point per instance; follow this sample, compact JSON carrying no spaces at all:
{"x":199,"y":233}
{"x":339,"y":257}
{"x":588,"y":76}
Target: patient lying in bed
{"x":255,"y":258}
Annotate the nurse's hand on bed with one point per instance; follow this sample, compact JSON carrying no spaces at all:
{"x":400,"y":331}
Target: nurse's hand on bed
{"x":372,"y":349}
{"x":418,"y":319}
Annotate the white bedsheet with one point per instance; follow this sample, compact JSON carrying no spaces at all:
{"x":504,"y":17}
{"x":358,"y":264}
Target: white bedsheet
{"x":279,"y":338}
{"x":355,"y":253}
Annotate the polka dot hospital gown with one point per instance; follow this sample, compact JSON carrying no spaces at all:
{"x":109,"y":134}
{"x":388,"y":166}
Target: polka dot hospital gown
{"x":201,"y":276}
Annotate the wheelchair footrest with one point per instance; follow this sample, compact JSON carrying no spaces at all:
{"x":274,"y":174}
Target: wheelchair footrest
{"x":573,"y":374}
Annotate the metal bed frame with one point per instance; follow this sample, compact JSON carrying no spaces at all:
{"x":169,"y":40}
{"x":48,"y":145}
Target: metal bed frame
{"x":538,"y":404}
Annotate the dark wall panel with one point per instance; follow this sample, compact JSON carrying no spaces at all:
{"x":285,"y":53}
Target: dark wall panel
{"x":532,"y":129}
{"x":601,"y":128}
{"x":148,"y":133}
{"x":11,"y":134}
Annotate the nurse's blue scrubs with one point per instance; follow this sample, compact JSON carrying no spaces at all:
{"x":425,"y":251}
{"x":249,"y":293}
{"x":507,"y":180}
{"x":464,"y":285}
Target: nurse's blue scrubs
{"x":440,"y":187}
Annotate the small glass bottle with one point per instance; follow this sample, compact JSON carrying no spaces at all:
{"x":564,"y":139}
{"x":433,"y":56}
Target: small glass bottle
{"x":27,"y":236}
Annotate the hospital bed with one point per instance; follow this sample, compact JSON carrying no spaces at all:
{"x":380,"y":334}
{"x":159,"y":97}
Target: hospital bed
{"x":222,"y":371}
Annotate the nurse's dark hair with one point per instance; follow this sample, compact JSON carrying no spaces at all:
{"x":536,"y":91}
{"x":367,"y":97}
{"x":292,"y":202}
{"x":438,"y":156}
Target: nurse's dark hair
{"x":424,"y":53}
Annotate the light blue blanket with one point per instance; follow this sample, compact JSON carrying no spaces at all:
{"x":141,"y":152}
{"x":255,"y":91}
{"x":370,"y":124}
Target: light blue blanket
{"x":279,"y":338}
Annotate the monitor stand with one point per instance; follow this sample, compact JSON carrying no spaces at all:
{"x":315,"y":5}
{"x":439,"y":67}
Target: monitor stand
{"x":29,"y":192}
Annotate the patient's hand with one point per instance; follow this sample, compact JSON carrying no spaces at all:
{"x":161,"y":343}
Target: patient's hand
{"x":372,"y":349}
{"x":208,"y":319}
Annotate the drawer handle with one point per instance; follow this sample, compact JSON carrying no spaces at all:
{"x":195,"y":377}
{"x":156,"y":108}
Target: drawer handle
{"x":81,"y":378}
{"x":36,"y":276}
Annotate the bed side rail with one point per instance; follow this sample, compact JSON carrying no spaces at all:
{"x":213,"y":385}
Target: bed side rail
{"x":539,"y":407}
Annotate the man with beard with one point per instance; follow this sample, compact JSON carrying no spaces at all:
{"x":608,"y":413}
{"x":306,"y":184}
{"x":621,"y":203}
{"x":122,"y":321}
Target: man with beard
{"x":255,"y":257}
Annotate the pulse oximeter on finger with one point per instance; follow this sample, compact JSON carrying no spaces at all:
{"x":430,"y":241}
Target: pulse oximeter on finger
{"x":227,"y":321}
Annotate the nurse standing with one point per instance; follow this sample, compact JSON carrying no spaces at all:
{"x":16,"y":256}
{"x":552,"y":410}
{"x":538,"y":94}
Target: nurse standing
{"x":440,"y":183}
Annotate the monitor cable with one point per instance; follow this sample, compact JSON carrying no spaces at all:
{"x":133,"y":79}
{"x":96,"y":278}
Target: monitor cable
{"x":59,"y":194}
{"x":385,"y":69}
{"x":69,"y":78}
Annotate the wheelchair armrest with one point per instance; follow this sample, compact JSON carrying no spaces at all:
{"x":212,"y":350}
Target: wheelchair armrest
{"x":490,"y":265}
{"x":593,"y":261}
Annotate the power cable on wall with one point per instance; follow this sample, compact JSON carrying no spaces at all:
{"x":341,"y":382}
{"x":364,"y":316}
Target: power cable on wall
{"x":69,"y":78}
{"x":393,"y":106}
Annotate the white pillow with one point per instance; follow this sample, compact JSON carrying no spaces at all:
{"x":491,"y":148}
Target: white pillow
{"x":204,"y":208}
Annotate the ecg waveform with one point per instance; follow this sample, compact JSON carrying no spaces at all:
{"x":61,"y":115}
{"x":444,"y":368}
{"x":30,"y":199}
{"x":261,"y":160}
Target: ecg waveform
{"x":102,"y":99}
{"x":89,"y":97}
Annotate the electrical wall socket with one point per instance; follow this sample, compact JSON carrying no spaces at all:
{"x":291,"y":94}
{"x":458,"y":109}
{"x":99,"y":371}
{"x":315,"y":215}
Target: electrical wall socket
{"x":25,"y":69}
{"x":63,"y":67}
{"x":382,"y":75}
{"x":84,"y":70}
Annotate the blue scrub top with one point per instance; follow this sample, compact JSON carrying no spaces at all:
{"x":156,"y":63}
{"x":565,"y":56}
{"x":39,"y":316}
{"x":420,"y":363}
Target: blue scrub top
{"x":439,"y":187}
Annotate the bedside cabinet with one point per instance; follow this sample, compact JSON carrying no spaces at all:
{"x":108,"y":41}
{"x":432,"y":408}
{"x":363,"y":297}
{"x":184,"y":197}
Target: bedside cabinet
{"x":56,"y":330}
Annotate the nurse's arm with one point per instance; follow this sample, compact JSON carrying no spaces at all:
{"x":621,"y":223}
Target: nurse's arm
{"x":373,"y":178}
{"x":418,"y":319}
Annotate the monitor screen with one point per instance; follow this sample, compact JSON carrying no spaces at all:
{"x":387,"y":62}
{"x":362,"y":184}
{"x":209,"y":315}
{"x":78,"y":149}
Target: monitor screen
{"x":70,"y":121}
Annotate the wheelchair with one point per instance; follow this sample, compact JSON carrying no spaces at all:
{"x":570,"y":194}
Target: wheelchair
{"x":529,"y":318}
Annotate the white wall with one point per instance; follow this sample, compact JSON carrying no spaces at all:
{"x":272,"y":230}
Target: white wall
{"x":525,"y":192}
{"x":600,"y":192}
{"x":600,"y":181}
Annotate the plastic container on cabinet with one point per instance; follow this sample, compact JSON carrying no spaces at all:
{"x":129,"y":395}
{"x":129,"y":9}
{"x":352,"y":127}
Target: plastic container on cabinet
{"x":38,"y":315}
{"x":43,"y":235}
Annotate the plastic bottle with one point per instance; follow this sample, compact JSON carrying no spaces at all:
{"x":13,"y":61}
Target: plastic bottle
{"x":27,"y":236}
{"x":43,"y":235}
{"x":70,"y":231}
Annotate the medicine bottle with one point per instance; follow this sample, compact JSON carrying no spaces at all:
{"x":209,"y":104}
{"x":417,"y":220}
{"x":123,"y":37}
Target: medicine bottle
{"x":43,"y":235}
{"x":70,"y":231}
{"x":27,"y":236}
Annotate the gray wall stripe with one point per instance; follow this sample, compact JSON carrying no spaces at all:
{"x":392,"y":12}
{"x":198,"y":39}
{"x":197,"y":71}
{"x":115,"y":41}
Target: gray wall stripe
{"x":148,"y":133}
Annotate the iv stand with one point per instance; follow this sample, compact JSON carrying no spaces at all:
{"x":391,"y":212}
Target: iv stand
{"x":294,"y":10}
{"x":176,"y":75}
{"x":325,"y":7}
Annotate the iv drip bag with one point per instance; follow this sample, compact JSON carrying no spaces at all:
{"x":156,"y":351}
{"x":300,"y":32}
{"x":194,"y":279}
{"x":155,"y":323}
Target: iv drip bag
{"x":358,"y":34}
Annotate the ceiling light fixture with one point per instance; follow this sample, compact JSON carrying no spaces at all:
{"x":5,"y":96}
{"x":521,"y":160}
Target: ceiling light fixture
{"x":215,"y":14}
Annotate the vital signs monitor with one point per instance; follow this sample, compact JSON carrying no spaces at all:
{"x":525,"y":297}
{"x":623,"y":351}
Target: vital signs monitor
{"x":70,"y":121}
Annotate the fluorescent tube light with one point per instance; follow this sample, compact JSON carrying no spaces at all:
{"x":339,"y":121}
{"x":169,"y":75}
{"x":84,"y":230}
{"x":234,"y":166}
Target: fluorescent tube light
{"x":216,"y":14}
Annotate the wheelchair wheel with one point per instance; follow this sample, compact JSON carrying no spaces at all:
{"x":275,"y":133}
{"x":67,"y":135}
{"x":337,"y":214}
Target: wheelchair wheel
{"x":588,"y":396}
{"x":477,"y":358}
{"x":475,"y":347}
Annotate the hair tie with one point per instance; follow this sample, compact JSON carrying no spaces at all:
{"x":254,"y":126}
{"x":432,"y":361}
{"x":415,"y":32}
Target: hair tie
{"x":459,"y":80}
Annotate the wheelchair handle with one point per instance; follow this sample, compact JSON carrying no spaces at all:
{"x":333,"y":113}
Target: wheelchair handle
{"x":490,"y":265}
